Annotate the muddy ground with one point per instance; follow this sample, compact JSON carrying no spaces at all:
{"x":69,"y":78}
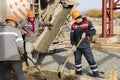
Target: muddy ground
{"x":51,"y":75}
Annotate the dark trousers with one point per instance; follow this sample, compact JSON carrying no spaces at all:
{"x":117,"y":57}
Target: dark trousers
{"x":90,"y":59}
{"x":7,"y":66}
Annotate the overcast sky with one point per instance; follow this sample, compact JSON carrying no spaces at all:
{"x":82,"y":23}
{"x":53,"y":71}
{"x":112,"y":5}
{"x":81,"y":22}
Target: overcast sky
{"x":89,"y":4}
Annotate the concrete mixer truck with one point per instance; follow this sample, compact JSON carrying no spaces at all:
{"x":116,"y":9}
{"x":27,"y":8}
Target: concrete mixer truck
{"x":55,"y":11}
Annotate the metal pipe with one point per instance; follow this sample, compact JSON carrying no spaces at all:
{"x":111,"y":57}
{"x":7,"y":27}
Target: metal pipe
{"x":111,"y":18}
{"x":104,"y":18}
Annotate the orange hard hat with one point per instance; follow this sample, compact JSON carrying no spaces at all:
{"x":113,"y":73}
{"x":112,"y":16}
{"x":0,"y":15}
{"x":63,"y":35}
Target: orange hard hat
{"x":31,"y":14}
{"x":76,"y":14}
{"x":11,"y":18}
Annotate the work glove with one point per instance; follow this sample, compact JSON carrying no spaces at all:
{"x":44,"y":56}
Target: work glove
{"x":73,"y":48}
{"x":86,"y":35}
{"x":83,"y":35}
{"x":51,"y":26}
{"x":23,"y":57}
{"x":41,"y":28}
{"x":25,"y":33}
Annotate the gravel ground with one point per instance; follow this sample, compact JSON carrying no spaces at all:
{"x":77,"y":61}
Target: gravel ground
{"x":106,"y":60}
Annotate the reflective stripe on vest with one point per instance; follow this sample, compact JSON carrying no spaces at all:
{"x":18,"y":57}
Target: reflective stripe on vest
{"x":84,"y":25}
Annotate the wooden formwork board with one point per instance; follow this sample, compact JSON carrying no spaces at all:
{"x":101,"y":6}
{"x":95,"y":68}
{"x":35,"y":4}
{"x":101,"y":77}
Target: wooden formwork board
{"x":113,"y":75}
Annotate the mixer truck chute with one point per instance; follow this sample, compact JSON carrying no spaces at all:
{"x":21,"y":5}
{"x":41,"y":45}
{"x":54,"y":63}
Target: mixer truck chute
{"x":59,"y":15}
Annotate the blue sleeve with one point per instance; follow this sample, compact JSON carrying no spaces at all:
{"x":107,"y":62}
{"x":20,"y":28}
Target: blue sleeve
{"x":91,"y":29}
{"x":72,"y":35}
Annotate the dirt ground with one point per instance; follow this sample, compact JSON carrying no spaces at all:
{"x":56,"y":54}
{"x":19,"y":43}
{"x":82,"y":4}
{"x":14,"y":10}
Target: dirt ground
{"x":52,"y":75}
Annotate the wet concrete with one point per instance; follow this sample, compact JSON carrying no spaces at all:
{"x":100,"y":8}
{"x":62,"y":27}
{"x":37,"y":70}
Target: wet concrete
{"x":50,"y":75}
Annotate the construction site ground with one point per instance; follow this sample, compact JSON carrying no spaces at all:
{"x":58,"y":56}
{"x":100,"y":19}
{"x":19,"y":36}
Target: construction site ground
{"x":106,"y":60}
{"x":106,"y":52}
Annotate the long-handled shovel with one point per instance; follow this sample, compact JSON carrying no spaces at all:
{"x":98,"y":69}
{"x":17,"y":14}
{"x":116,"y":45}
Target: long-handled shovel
{"x":37,"y":68}
{"x":69,"y":56}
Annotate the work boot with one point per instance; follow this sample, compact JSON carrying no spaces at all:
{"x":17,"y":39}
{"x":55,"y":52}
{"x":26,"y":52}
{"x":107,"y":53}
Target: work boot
{"x":79,"y":72}
{"x":96,"y":74}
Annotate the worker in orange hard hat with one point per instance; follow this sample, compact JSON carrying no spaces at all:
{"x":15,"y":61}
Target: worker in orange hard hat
{"x":79,"y":27}
{"x":12,"y":18}
{"x":11,"y":50}
{"x":31,"y":14}
{"x":30,"y":28}
{"x":76,"y":14}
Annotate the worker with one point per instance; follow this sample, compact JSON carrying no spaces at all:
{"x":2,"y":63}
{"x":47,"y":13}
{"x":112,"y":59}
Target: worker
{"x":11,"y":50}
{"x":79,"y":27}
{"x":30,"y":28}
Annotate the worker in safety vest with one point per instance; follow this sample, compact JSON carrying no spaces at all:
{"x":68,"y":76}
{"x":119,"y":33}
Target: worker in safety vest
{"x":30,"y":28}
{"x":79,"y":27}
{"x":11,"y":50}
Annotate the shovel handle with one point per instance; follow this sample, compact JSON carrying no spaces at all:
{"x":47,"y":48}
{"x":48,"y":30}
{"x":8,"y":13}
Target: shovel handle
{"x":69,"y":56}
{"x":37,"y":68}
